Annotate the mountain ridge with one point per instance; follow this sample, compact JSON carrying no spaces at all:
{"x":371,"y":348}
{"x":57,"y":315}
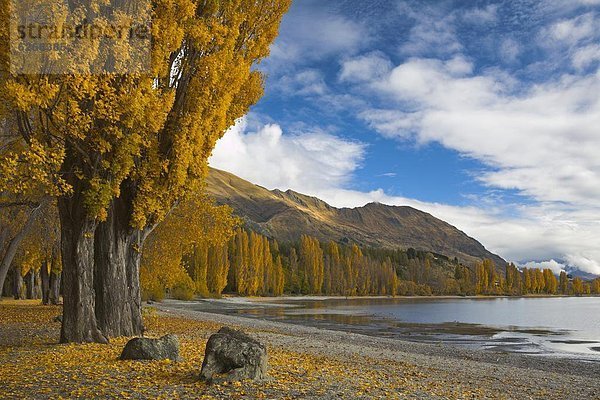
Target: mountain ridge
{"x":286,"y":215}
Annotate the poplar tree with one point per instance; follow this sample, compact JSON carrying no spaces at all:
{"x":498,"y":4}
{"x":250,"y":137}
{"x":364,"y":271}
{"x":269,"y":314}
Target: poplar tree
{"x":218,"y":269}
{"x":578,"y":288}
{"x":564,"y":283}
{"x":268,"y":278}
{"x":121,"y":150}
{"x":278,"y":277}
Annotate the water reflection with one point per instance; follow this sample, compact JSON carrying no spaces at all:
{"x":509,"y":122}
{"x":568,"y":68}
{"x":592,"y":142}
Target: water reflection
{"x":546,"y":326}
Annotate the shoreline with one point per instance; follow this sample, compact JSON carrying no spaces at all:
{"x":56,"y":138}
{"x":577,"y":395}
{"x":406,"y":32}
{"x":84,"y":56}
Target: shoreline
{"x":304,"y":362}
{"x":539,"y":362}
{"x":541,"y":338}
{"x":512,"y":375}
{"x":270,"y":299}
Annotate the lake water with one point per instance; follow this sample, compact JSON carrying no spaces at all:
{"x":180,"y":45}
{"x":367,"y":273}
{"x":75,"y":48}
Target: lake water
{"x":562,"y":327}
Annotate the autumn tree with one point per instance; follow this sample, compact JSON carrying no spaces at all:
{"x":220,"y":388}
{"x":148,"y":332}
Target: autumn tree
{"x":596,"y":286}
{"x":352,"y":261}
{"x":578,"y":288}
{"x":527,"y":287}
{"x":292,"y":276}
{"x":218,"y":269}
{"x":16,"y":221}
{"x":564,"y":283}
{"x":38,"y":256}
{"x":239,"y":275}
{"x":278,"y":277}
{"x":550,"y":281}
{"x":510,"y":281}
{"x":311,"y":264}
{"x":176,"y":253}
{"x":121,"y":150}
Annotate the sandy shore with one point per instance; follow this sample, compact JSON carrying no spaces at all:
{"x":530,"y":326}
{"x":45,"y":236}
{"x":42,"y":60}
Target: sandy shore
{"x":476,"y":373}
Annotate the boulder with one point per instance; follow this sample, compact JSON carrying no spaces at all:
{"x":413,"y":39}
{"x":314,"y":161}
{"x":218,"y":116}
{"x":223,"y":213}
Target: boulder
{"x":167,"y":347}
{"x":233,"y":356}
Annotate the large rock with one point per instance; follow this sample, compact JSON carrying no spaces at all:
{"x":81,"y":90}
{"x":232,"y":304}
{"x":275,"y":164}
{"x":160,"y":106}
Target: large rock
{"x":167,"y":347}
{"x":232,"y":356}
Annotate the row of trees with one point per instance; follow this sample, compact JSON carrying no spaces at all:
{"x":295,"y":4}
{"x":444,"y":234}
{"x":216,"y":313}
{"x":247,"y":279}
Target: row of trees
{"x":200,"y":249}
{"x":30,"y":252}
{"x":250,"y":264}
{"x":528,"y":281}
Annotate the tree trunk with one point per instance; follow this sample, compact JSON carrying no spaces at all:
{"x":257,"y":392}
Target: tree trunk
{"x":8,"y":289}
{"x":30,"y":284}
{"x":54,"y":293}
{"x":117,"y":258}
{"x":11,"y":250}
{"x":18,"y":285}
{"x":134,"y":258}
{"x":77,"y":246}
{"x":37,"y":285}
{"x":45,"y":276}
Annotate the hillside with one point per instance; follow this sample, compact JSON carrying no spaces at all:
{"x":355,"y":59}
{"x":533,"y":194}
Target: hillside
{"x":287,"y":215}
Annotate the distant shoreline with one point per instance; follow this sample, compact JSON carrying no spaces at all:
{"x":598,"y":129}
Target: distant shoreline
{"x":326,"y":297}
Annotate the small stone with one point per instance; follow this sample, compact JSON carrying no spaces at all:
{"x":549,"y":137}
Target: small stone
{"x":58,"y":318}
{"x":165,"y":348}
{"x":232,"y":355}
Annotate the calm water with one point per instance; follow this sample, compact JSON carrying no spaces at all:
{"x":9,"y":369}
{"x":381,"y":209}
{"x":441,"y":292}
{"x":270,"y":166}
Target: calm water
{"x":564,"y":327}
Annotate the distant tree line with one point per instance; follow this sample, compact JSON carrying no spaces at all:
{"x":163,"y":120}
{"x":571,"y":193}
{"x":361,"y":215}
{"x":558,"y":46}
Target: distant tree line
{"x":250,"y":264}
{"x":201,"y":250}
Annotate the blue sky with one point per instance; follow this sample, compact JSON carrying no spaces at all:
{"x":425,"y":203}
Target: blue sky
{"x":483,"y":113}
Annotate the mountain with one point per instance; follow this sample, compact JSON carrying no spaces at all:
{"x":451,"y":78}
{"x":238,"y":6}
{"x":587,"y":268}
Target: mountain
{"x":287,"y":215}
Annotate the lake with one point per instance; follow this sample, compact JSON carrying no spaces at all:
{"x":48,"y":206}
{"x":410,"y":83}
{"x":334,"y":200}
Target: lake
{"x":555,"y":326}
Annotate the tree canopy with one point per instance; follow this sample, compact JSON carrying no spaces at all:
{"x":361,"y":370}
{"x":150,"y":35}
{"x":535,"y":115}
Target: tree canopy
{"x":121,"y":149}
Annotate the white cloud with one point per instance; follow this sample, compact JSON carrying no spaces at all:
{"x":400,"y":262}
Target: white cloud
{"x":571,"y":31}
{"x":309,"y":33}
{"x":392,"y":123}
{"x":586,"y":56}
{"x":510,"y":50}
{"x":586,"y":262}
{"x":543,"y":142}
{"x":365,"y":68}
{"x":306,"y":162}
{"x":307,"y":82}
{"x":553,"y":265}
{"x":434,"y":31}
{"x":483,"y":15}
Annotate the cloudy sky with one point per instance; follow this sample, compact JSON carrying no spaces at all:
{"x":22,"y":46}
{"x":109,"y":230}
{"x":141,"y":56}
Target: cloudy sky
{"x":485,"y":114}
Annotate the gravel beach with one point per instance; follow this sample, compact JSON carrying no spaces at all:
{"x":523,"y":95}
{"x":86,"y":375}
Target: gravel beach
{"x":483,"y":374}
{"x":304,"y":363}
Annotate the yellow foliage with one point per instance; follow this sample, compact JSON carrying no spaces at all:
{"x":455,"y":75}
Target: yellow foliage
{"x":184,"y":290}
{"x":197,"y":221}
{"x":149,"y":132}
{"x":41,"y":244}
